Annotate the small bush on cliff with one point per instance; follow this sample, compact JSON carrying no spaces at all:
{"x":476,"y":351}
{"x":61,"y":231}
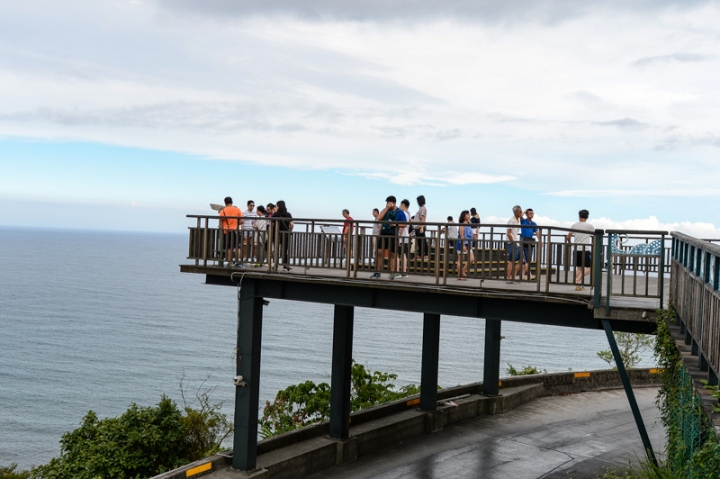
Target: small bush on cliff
{"x":630,"y":346}
{"x":11,"y":472}
{"x":524,"y":371}
{"x":307,"y":403}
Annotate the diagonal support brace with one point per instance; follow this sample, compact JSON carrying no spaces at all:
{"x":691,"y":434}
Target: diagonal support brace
{"x":629,"y":392}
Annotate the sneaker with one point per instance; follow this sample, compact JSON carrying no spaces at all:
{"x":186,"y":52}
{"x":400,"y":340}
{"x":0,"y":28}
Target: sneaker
{"x":580,"y":288}
{"x":375,"y":275}
{"x":228,"y":265}
{"x":404,"y":275}
{"x":287,"y":268}
{"x":394,"y":275}
{"x":239,"y":265}
{"x":258,"y":265}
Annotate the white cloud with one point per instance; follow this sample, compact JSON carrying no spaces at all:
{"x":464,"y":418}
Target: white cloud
{"x":530,"y":94}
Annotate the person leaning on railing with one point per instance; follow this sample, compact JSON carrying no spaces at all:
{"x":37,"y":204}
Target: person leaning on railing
{"x":261,"y":226}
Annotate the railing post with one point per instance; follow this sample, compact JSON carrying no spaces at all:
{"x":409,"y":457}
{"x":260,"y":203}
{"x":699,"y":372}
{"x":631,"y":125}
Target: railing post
{"x":608,"y":277}
{"x":205,"y":242}
{"x":597,"y":267}
{"x":661,"y":271}
{"x":548,"y":260}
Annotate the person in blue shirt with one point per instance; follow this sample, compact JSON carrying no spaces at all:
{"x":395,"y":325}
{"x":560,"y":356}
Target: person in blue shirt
{"x":387,"y":240}
{"x":464,"y":246}
{"x":528,"y":236}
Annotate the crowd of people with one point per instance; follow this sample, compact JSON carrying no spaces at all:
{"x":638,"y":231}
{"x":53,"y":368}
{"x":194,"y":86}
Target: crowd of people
{"x":396,"y":228}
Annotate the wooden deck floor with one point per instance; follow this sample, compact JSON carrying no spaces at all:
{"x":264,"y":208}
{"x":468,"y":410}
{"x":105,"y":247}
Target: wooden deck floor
{"x":473,"y":286}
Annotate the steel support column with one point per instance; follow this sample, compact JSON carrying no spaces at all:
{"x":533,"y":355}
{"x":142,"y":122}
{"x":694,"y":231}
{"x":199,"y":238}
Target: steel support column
{"x":430,"y":358}
{"x":341,"y":372}
{"x":693,"y":347}
{"x":247,"y":394}
{"x":629,"y":391}
{"x":491,"y":374}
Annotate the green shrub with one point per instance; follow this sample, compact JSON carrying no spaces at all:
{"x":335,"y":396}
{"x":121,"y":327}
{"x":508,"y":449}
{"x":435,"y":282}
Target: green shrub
{"x":527,"y":370}
{"x":11,"y":472}
{"x":307,"y":403}
{"x":141,"y":443}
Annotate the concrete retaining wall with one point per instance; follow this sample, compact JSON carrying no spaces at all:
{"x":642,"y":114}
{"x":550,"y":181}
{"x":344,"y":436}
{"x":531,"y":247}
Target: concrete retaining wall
{"x":306,"y":451}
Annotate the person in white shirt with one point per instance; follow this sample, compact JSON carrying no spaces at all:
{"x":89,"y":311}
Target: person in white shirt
{"x":248,"y":230}
{"x":514,"y":247}
{"x":451,"y":233}
{"x":583,"y":253}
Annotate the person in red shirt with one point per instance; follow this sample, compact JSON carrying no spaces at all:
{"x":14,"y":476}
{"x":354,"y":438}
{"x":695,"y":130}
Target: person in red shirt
{"x":347,"y":230}
{"x":230,"y":226}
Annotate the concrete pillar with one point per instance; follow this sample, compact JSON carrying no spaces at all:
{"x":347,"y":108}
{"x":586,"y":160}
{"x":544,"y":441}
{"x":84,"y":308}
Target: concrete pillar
{"x":491,"y":374}
{"x":430,"y":358}
{"x":247,"y":394}
{"x":341,"y":372}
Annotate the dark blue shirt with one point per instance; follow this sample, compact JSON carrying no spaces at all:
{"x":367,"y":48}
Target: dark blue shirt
{"x":527,"y":233}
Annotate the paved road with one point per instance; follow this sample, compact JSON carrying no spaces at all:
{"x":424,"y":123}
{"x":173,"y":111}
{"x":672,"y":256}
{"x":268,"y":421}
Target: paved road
{"x":573,"y":436}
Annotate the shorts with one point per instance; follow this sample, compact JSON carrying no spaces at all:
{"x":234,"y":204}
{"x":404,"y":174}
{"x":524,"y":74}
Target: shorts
{"x":514,"y":252}
{"x":403,"y":248}
{"x":528,"y":250}
{"x":583,"y":259}
{"x":248,"y":233}
{"x":387,"y":242}
{"x":230,"y":239}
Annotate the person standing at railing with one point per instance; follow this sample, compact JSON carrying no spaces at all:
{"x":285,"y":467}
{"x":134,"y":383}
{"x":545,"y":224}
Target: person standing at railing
{"x":475,"y":221}
{"x":514,"y":249}
{"x":583,"y":252}
{"x":464,"y":246}
{"x":261,"y":227}
{"x":230,"y":228}
{"x":528,"y":238}
{"x":404,"y":238}
{"x":387,"y":242}
{"x":347,"y":232}
{"x":421,"y":246}
{"x":450,"y":232}
{"x":249,"y":243}
{"x":285,"y":227}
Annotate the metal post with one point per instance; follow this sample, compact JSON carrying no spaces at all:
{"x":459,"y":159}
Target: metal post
{"x":341,"y":372}
{"x":249,"y":336}
{"x":661,"y":272}
{"x":629,"y":392}
{"x":608,"y":279}
{"x":597,"y":267}
{"x":491,"y":374}
{"x":693,"y":347}
{"x":430,"y":358}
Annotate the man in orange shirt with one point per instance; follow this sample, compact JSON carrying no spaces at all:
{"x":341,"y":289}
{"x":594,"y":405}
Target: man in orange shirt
{"x":230,"y":228}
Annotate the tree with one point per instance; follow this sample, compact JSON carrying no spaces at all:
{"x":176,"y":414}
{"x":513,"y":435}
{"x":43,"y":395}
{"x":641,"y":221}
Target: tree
{"x":630,"y":346}
{"x":142,"y":442}
{"x":307,"y":403}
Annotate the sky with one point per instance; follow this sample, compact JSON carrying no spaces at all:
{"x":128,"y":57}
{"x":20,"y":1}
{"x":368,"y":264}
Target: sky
{"x":129,"y":115}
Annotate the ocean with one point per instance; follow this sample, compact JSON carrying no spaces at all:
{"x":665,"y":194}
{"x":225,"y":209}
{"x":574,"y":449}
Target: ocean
{"x":95,"y":320}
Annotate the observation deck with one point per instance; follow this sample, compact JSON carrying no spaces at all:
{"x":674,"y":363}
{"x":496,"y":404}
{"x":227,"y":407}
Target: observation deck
{"x":615,"y":281}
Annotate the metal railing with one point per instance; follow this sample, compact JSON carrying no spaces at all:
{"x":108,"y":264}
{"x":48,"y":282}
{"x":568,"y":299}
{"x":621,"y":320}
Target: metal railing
{"x":436,"y":258}
{"x":694,"y":285}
